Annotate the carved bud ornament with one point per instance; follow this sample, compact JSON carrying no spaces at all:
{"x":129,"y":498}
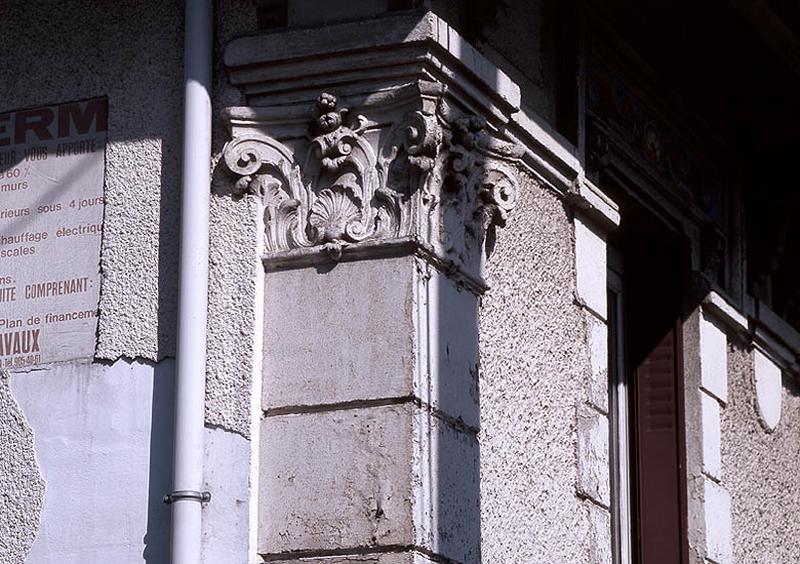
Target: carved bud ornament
{"x":428,"y":174}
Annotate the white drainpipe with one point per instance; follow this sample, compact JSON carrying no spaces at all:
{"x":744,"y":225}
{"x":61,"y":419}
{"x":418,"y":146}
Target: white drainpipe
{"x":190,"y":382}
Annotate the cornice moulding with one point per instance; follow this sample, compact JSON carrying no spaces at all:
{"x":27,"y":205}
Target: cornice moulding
{"x":351,"y":57}
{"x":719,"y":308}
{"x":352,"y":137}
{"x":775,"y":338}
{"x":586,"y":196}
{"x":395,"y":165}
{"x":368,"y":250}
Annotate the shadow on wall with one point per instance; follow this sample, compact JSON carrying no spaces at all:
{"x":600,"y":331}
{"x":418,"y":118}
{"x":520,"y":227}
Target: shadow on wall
{"x":168,"y":253}
{"x":157,"y":537}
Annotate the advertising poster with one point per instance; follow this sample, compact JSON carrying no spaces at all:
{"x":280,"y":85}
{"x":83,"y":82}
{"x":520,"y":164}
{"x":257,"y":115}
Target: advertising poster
{"x":52,"y":167}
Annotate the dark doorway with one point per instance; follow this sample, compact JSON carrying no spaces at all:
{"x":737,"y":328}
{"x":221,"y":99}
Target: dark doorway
{"x":650,"y":269}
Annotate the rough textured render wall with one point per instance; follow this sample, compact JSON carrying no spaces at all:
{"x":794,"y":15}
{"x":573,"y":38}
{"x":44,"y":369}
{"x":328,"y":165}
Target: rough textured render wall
{"x":235,"y":268}
{"x":534,"y":365}
{"x":21,"y":483}
{"x":56,"y":52}
{"x":760,"y":469}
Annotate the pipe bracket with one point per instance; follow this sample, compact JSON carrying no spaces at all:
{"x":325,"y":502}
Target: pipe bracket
{"x":177,"y":495}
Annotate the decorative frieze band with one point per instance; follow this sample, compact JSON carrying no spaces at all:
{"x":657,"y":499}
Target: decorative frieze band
{"x":403,"y":164}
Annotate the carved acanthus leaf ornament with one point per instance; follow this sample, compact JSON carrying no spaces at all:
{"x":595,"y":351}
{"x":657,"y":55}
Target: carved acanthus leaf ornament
{"x":426,"y":173}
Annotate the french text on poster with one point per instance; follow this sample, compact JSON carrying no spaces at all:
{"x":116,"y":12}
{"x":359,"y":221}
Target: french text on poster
{"x":52,"y":166}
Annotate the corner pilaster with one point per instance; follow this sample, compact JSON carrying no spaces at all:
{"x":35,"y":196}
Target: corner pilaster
{"x":382,"y":182}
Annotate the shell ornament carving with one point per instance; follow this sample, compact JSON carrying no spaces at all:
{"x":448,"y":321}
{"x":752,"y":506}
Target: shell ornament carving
{"x":336,"y":216}
{"x":425,"y":174}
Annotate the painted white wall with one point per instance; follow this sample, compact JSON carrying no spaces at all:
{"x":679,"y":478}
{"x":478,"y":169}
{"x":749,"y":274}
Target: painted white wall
{"x":714,"y":359}
{"x":590,"y":266}
{"x":226,"y":520}
{"x":103,"y":439}
{"x":768,"y":390}
{"x":713,"y":395}
{"x":718,"y":522}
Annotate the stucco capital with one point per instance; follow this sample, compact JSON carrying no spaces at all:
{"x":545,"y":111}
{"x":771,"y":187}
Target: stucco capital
{"x":366,"y":172}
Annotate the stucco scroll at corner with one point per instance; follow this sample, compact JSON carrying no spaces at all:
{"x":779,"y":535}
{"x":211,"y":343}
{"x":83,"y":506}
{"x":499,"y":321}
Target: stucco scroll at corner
{"x":405,"y":165}
{"x":21,"y":483}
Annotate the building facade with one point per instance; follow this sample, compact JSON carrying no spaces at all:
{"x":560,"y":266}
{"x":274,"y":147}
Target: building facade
{"x":501,"y":282}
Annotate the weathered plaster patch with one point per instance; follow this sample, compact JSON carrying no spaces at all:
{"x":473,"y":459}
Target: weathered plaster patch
{"x":136,"y":59}
{"x":22,"y":487}
{"x":713,"y":359}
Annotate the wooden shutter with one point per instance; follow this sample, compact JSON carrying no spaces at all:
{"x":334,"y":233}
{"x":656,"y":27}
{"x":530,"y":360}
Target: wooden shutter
{"x":659,"y":439}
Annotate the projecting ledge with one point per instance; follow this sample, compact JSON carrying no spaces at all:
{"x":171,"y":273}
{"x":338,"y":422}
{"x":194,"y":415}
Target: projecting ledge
{"x":413,"y":111}
{"x":356,"y":56}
